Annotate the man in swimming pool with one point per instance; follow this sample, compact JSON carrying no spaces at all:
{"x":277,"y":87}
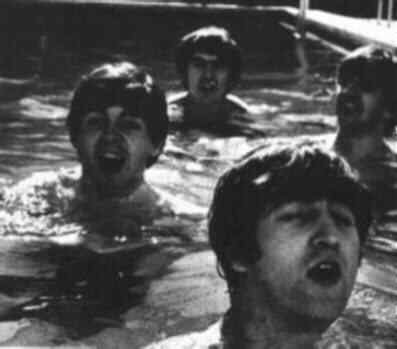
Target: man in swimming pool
{"x":366,"y":103}
{"x":118,"y":125}
{"x":287,"y":226}
{"x":366,"y":110}
{"x":209,"y":63}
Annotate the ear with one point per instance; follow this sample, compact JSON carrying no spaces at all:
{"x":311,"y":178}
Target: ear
{"x":239,"y":267}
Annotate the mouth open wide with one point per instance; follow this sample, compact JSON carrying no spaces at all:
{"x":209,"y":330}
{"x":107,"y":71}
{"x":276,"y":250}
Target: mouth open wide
{"x":350,"y":106}
{"x":208,"y":86}
{"x":110,"y":162}
{"x":325,"y":273}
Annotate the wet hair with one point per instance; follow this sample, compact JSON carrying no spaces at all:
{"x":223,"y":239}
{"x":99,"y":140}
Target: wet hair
{"x":268,"y":179}
{"x":211,"y":40}
{"x":121,"y":84}
{"x":374,"y":68}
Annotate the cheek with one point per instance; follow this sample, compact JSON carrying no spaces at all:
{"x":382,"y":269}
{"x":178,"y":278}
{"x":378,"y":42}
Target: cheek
{"x":223,"y":77}
{"x":352,"y":250}
{"x":192,"y":76}
{"x":139,"y":147}
{"x":86,"y":142}
{"x":280,"y":256}
{"x":371,"y":102}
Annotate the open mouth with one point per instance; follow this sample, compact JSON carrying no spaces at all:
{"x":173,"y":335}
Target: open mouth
{"x":325,"y":273}
{"x":110,"y":162}
{"x":349,"y":106}
{"x":208,"y":86}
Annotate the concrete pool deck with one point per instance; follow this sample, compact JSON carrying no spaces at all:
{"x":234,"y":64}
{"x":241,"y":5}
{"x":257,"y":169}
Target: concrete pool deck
{"x":351,"y":31}
{"x":356,"y":31}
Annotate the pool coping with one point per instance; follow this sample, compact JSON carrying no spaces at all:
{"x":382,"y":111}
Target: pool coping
{"x":349,"y":32}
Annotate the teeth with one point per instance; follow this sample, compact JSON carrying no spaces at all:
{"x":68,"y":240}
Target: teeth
{"x":325,"y":266}
{"x":209,"y":85}
{"x":111,"y":156}
{"x":325,"y":273}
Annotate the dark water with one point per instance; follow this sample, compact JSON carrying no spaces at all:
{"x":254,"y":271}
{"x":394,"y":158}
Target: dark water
{"x":51,"y":269}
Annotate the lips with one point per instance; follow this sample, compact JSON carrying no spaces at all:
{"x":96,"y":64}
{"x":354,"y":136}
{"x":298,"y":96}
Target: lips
{"x":325,"y":273}
{"x":349,"y":105}
{"x":208,"y":86}
{"x":111,"y":160}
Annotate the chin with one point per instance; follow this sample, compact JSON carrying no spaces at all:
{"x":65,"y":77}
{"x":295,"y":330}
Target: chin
{"x":322,"y":301}
{"x":328,"y":308}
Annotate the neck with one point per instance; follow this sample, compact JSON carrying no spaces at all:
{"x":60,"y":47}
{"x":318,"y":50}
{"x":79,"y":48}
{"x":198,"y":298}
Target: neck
{"x":205,"y":113}
{"x":253,"y":327}
{"x":356,"y":147}
{"x":94,"y":191}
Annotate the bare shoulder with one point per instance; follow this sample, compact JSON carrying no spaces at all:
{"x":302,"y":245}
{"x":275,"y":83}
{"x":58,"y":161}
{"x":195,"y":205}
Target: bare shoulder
{"x":208,"y":339}
{"x":236,"y":104}
{"x":176,"y":106}
{"x":176,"y":98}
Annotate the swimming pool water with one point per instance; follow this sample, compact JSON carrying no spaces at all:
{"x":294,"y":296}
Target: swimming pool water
{"x":49,"y":276}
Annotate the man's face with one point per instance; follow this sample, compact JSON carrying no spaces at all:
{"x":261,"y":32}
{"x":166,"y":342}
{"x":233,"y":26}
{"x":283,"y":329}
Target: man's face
{"x":310,"y":256}
{"x":114,"y":147}
{"x":360,"y":105}
{"x":208,"y":78}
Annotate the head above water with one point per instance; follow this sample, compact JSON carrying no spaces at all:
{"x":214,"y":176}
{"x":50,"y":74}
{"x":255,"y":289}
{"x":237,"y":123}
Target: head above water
{"x":120,"y":84}
{"x":372,"y":65}
{"x":268,"y":180}
{"x":210,"y":40}
{"x":368,"y":70}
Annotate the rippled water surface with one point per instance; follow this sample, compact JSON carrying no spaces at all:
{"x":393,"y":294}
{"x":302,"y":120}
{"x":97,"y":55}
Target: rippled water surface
{"x":53,"y":270}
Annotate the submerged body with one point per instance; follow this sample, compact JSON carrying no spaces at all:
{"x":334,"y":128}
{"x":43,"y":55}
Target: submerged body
{"x":184,"y":111}
{"x":190,"y":171}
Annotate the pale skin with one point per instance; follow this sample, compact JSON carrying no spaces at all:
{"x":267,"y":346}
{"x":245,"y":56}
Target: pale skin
{"x":207,"y":78}
{"x":208,"y":81}
{"x":361,"y":116}
{"x":280,"y":304}
{"x":110,"y":136}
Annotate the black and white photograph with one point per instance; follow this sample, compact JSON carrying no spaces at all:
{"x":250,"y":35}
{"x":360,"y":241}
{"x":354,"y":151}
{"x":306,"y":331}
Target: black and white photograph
{"x":198,"y":174}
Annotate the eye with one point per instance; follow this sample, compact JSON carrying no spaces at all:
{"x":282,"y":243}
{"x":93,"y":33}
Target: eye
{"x":298,"y":216}
{"x":130,"y":123}
{"x":198,"y":63}
{"x":219,"y":64}
{"x":369,"y":83}
{"x":288,"y":216}
{"x":343,"y":219}
{"x":93,"y":121}
{"x":342,"y":216}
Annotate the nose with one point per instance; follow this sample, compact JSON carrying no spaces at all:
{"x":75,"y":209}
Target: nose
{"x":209,"y":70}
{"x":325,"y":233}
{"x":349,"y":89}
{"x":109,"y":131}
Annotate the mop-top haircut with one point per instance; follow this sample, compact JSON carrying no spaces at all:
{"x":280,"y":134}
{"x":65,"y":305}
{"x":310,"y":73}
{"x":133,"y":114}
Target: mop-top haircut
{"x":212,"y":40}
{"x":269,"y":179}
{"x":121,"y":84}
{"x":373,"y":68}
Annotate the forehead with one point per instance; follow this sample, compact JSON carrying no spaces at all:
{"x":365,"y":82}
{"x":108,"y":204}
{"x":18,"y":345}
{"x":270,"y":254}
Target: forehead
{"x":205,"y":56}
{"x":296,"y":206}
{"x":358,"y":67}
{"x":113,"y":111}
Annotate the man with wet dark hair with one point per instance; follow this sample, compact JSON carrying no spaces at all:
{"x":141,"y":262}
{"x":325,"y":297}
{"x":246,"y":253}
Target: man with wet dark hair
{"x":366,"y":107}
{"x":287,"y":226}
{"x":366,"y":103}
{"x":209,"y":63}
{"x":118,"y":124}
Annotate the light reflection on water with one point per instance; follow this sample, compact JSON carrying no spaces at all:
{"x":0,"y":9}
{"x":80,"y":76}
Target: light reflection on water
{"x":52,"y":265}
